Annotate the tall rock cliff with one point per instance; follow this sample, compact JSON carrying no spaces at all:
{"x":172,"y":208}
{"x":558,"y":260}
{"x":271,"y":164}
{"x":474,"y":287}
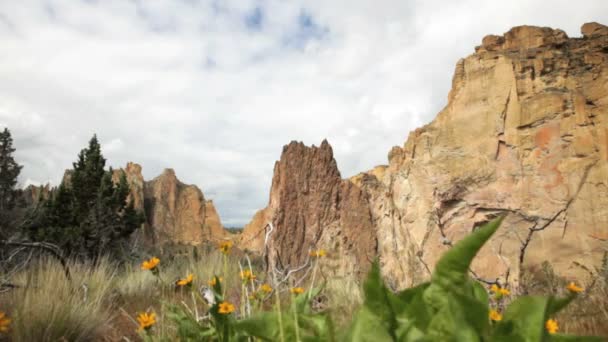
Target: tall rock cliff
{"x":524,"y":133}
{"x":175,"y":212}
{"x":312,"y":208}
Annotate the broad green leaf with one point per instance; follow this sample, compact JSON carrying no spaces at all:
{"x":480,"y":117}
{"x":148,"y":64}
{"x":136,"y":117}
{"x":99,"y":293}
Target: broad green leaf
{"x":449,"y":324}
{"x":523,"y":320}
{"x":265,"y":326}
{"x":557,"y":304}
{"x":452,"y":269}
{"x":316,"y":326}
{"x":408,"y":295}
{"x":480,"y":293}
{"x":379,"y":300}
{"x":367,"y":327}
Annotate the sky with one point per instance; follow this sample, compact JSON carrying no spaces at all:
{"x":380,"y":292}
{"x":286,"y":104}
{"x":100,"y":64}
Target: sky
{"x":214,"y":89}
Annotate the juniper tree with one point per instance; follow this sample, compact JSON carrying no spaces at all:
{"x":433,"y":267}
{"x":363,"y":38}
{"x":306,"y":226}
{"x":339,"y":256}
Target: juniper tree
{"x":9,"y":172}
{"x":89,"y":214}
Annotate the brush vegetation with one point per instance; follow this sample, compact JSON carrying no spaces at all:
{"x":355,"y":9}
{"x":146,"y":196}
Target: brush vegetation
{"x":213,"y":295}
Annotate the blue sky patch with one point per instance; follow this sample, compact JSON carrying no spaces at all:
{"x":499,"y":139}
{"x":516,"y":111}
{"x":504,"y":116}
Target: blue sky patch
{"x":254,"y":19}
{"x":306,"y":29}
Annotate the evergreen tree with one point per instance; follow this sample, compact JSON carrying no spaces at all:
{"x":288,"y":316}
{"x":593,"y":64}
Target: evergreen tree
{"x":87,"y":177}
{"x":9,"y":171}
{"x":90,"y":215}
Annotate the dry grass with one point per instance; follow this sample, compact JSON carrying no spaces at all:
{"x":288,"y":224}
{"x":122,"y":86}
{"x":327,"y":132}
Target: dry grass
{"x":48,"y":307}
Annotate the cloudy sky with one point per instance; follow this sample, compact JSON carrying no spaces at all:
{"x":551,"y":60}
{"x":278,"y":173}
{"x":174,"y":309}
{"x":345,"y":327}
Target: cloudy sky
{"x":214,"y":89}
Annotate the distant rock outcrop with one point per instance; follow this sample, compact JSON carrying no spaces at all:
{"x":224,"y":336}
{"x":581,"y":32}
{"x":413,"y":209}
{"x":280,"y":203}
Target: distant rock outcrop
{"x":524,"y":133}
{"x":32,"y":194}
{"x":175,"y":212}
{"x":311,"y":208}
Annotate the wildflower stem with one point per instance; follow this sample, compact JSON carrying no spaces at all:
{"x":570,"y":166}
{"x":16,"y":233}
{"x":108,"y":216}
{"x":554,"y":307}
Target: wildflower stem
{"x":295,"y":317}
{"x":225,"y":275}
{"x":314,"y":274}
{"x":278,"y":308}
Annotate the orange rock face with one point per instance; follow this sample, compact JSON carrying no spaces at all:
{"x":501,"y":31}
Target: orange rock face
{"x":175,"y":212}
{"x":523,"y":134}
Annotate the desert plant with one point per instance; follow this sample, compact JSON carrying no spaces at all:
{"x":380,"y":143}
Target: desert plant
{"x":454,"y":307}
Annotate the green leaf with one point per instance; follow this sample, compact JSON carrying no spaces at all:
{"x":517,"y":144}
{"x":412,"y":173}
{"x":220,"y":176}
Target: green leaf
{"x":450,"y":324}
{"x":523,"y":320}
{"x":408,"y":295}
{"x":367,"y":327}
{"x":379,"y":300}
{"x":557,"y":304}
{"x":264,"y":326}
{"x":452,"y":269}
{"x":316,"y":326}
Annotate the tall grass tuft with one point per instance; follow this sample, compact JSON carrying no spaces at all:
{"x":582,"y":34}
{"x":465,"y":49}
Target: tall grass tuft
{"x":49,"y":307}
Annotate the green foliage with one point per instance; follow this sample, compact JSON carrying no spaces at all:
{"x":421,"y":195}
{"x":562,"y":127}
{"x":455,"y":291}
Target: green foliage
{"x":297,"y":323}
{"x":9,"y":172}
{"x":88,"y":213}
{"x":452,"y":306}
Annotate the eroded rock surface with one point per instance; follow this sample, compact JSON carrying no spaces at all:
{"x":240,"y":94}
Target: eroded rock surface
{"x":524,"y":133}
{"x":312,"y":208}
{"x":175,"y":212}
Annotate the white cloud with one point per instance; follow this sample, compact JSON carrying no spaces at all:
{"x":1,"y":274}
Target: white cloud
{"x":214,"y":89}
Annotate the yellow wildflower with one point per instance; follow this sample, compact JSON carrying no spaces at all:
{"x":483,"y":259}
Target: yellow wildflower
{"x":4,"y":322}
{"x":146,"y":320}
{"x":552,"y":326}
{"x":495,"y":315}
{"x":225,"y":308}
{"x":266,"y":288}
{"x":499,"y":292}
{"x":225,"y":247}
{"x":297,"y":290}
{"x":186,"y":281}
{"x":150,"y":264}
{"x":247,"y":275}
{"x":214,"y":280}
{"x":572,"y":287}
{"x":317,"y":254}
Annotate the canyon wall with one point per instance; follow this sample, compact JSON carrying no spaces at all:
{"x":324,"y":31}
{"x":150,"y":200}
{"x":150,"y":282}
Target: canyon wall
{"x":524,"y":133}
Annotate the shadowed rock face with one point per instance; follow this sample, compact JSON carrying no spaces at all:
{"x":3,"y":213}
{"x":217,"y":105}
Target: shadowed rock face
{"x":311,"y":208}
{"x":524,"y":133}
{"x":175,"y":212}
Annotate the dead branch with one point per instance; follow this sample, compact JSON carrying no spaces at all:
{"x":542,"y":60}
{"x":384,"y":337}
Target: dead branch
{"x":52,"y":249}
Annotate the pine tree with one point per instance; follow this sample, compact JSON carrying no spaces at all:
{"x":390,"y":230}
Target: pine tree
{"x":90,"y":215}
{"x":9,"y":172}
{"x":87,"y":177}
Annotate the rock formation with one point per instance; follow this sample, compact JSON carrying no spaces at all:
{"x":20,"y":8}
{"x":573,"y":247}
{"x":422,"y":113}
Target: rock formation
{"x":524,"y":133}
{"x":312,"y":208}
{"x":32,"y":194}
{"x":175,"y":212}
